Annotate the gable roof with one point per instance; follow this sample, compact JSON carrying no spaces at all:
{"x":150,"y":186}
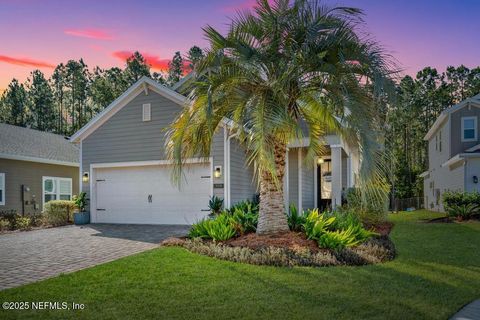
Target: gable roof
{"x":473,"y":101}
{"x":144,"y":83}
{"x":18,"y":143}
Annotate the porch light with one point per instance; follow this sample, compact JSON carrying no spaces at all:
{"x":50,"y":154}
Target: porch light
{"x":85,"y":177}
{"x":320,"y":160}
{"x":475,"y":179}
{"x":218,"y":172}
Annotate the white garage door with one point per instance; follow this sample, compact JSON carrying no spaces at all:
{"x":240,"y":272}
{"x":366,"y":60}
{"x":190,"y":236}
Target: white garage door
{"x":145,"y":195}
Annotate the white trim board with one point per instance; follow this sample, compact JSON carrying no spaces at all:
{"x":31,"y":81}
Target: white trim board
{"x":39,"y":160}
{"x":147,"y":163}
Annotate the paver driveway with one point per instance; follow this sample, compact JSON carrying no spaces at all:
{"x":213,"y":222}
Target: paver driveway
{"x":35,"y":255}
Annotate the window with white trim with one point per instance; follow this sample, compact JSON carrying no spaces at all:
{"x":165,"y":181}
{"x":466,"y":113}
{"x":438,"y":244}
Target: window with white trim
{"x":146,"y":111}
{"x":2,"y":189}
{"x":55,"y":188}
{"x":469,"y":128}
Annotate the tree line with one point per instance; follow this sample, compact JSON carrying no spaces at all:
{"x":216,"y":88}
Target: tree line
{"x":74,"y":93}
{"x":419,"y":101}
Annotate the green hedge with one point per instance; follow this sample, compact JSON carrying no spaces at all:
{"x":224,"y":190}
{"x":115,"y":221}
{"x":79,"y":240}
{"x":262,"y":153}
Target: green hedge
{"x":461,"y":205}
{"x":59,"y":212}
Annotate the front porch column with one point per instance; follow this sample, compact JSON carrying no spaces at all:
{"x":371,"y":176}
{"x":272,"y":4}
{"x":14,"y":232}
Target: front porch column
{"x":336,"y":176}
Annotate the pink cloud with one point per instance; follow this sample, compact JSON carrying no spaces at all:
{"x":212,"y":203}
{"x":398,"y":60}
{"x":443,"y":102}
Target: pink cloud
{"x":98,"y":34}
{"x":26,"y":62}
{"x":154,"y":61}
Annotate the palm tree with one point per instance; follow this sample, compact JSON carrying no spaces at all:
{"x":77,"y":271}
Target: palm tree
{"x":280,"y":69}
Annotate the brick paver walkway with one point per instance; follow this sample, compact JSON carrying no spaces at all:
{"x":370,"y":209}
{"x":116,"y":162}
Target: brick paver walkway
{"x":35,"y":255}
{"x":470,"y":312}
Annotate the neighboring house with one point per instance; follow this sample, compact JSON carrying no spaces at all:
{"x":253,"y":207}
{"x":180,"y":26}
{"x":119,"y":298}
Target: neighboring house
{"x":453,"y":152}
{"x":35,"y":167}
{"x":128,"y":178}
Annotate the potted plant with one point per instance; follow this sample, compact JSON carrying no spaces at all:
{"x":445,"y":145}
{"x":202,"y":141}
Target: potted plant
{"x":82,"y":216}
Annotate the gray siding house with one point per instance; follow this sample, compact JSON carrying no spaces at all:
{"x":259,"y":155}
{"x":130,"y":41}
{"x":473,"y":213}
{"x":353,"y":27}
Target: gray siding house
{"x":127,"y":177}
{"x":453,"y":153}
{"x":35,"y":167}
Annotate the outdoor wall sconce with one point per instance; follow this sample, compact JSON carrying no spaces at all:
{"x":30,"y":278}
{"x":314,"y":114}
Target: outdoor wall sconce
{"x":320,"y":160}
{"x":218,"y":172}
{"x":475,"y":179}
{"x":85,"y":177}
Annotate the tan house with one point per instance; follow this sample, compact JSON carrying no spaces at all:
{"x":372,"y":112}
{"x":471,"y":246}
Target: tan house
{"x":35,"y":167}
{"x":453,"y":152}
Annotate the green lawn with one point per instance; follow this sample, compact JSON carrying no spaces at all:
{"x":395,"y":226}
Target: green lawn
{"x":436,"y":272}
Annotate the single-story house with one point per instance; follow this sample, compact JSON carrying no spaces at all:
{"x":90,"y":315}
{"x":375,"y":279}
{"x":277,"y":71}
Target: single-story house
{"x":453,"y":153}
{"x":128,"y":178}
{"x":35,"y":167}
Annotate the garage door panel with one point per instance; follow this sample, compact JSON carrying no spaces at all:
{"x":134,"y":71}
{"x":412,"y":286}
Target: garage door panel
{"x":123,"y":194}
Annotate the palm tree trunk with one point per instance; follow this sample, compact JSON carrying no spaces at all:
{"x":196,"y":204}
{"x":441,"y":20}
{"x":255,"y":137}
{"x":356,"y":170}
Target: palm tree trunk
{"x":272,"y":218}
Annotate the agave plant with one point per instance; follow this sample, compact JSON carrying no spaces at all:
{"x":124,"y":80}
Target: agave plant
{"x":281,"y":68}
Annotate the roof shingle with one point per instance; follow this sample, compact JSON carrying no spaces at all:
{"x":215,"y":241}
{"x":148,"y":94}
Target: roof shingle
{"x":25,"y":142}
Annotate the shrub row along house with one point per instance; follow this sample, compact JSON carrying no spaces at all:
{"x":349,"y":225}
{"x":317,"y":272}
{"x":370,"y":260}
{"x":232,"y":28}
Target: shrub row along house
{"x":35,"y":167}
{"x":453,"y":153}
{"x":126,"y":174}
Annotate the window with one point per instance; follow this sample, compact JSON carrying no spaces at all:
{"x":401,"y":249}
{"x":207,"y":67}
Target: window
{"x":56,"y":189}
{"x":146,"y":111}
{"x":2,"y":189}
{"x":469,"y":128}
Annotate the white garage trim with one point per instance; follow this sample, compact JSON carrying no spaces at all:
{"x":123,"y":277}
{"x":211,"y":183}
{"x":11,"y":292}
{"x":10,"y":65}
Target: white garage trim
{"x":93,"y":166}
{"x":146,"y":163}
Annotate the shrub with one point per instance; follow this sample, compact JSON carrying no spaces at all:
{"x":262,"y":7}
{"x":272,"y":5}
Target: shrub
{"x":316,"y":224}
{"x":295,"y":220}
{"x":246,"y":206}
{"x":23,"y":223}
{"x":215,"y":205}
{"x":11,"y":217}
{"x":370,"y":202}
{"x":245,"y":222}
{"x":199,"y":229}
{"x":36,"y":219}
{"x":4,"y":225}
{"x":461,"y":205}
{"x":245,"y":216}
{"x":59,"y":212}
{"x":220,"y":228}
{"x":335,"y":230}
{"x":80,"y":201}
{"x":373,"y":251}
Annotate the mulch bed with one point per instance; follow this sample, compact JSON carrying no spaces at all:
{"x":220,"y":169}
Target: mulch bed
{"x":383,"y":228}
{"x":290,"y":240}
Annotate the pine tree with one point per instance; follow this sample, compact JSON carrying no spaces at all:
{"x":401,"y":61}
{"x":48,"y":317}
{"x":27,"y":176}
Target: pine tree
{"x":136,"y":68}
{"x":194,"y":55}
{"x":59,"y":90}
{"x":41,"y":103}
{"x":15,"y":104}
{"x":175,"y":69}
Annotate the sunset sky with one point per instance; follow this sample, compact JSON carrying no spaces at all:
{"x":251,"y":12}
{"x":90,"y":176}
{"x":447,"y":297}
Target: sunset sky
{"x":41,"y":34}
